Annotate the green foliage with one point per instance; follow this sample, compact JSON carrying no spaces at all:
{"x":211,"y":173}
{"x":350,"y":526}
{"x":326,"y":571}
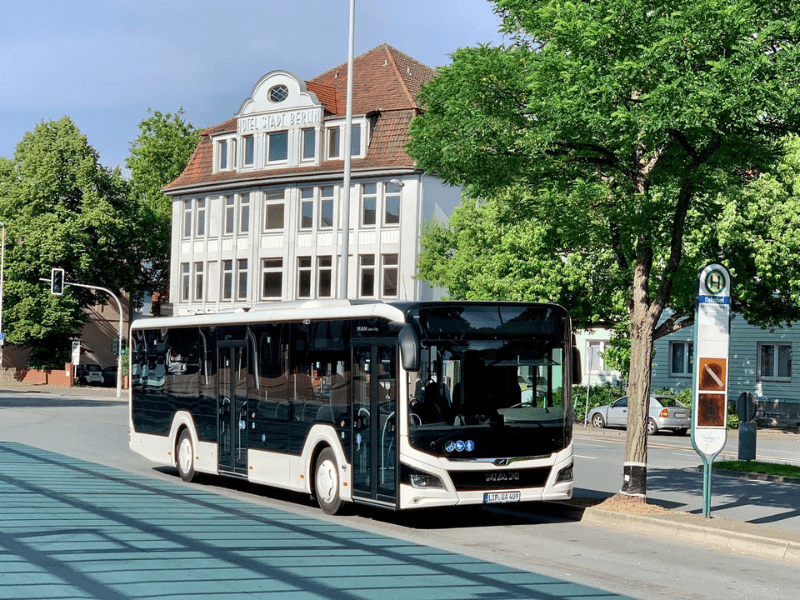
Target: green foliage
{"x":61,"y":209}
{"x":627,"y":133}
{"x":753,"y":466}
{"x":158,"y":156}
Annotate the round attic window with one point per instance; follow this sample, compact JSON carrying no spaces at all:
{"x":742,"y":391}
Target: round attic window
{"x":278,"y":93}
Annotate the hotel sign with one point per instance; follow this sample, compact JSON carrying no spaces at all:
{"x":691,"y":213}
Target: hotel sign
{"x":306,"y":117}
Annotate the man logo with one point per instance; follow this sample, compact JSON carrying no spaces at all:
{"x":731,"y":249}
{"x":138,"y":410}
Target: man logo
{"x":502,"y":476}
{"x":715,"y":282}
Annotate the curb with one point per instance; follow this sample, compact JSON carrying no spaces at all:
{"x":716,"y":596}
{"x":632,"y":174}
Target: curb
{"x":716,"y":533}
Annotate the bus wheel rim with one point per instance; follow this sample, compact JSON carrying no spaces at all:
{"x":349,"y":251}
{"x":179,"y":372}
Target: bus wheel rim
{"x":326,"y":481}
{"x":185,"y":456}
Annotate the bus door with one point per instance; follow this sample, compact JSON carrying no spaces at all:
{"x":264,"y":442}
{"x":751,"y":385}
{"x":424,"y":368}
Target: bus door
{"x":374,"y":421}
{"x":232,"y":421}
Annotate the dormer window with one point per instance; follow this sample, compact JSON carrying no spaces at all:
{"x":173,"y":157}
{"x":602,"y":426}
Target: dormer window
{"x":278,"y":93}
{"x":226,"y":154}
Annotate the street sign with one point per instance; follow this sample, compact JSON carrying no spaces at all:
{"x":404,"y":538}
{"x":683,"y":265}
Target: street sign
{"x":76,"y":353}
{"x":712,"y":322}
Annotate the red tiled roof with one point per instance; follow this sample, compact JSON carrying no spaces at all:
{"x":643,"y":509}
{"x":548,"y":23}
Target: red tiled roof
{"x":384,"y":80}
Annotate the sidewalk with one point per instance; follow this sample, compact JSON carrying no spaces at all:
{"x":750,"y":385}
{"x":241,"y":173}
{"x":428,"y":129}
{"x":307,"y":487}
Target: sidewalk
{"x":88,"y":392}
{"x":720,"y":533}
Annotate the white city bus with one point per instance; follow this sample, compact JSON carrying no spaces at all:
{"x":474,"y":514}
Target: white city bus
{"x":399,"y":405}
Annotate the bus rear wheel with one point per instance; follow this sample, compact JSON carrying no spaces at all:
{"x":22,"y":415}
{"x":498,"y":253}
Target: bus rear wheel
{"x":326,"y":483}
{"x":185,"y":456}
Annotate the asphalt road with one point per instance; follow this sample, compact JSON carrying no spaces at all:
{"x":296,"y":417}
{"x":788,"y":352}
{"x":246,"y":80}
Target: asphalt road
{"x":84,"y":517}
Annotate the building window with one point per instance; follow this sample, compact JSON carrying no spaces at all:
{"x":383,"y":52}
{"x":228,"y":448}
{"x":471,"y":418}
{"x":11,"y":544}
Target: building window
{"x":244,"y":213}
{"x":391,"y":210}
{"x":334,"y":141}
{"x":681,"y":359}
{"x":277,"y":146}
{"x":249,"y":150}
{"x":201,"y":217}
{"x":223,"y":155}
{"x":355,"y":140}
{"x":241,"y":279}
{"x":306,"y":208}
{"x":185,"y":281}
{"x":326,"y":207}
{"x":594,"y":356}
{"x":369,"y":203}
{"x":324,"y":276}
{"x":367,"y":275}
{"x":774,"y":362}
{"x":273,"y":209}
{"x":304,"y":277}
{"x":230,"y":215}
{"x":389,"y":275}
{"x":278,"y":93}
{"x":227,"y":279}
{"x":187,"y":218}
{"x":198,"y":281}
{"x":272,"y":277}
{"x":309,"y":144}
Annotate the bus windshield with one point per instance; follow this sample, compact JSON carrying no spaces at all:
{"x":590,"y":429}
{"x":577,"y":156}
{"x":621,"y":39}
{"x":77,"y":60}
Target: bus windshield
{"x":499,"y":394}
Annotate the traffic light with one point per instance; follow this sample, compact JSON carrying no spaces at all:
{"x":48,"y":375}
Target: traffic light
{"x":57,"y":281}
{"x":115,"y":346}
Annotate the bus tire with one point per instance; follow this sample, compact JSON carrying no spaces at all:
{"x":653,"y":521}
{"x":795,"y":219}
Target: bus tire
{"x":185,"y":456}
{"x":326,"y":483}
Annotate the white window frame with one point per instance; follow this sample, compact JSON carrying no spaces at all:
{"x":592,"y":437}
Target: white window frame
{"x":186,"y":282}
{"x":274,"y":198}
{"x":362,"y":210}
{"x":227,"y":280}
{"x":305,"y":270}
{"x":684,"y":370}
{"x":773,"y":376}
{"x":325,"y":265}
{"x":306,"y":200}
{"x":386,"y":195}
{"x":252,"y":143}
{"x":225,"y":154}
{"x":303,"y":132}
{"x":186,"y":219}
{"x":242,"y":272}
{"x":390,"y":262}
{"x":366,"y":263}
{"x":600,"y":367}
{"x":268,"y":144}
{"x":198,"y":281}
{"x":266,"y":267}
{"x":322,"y":199}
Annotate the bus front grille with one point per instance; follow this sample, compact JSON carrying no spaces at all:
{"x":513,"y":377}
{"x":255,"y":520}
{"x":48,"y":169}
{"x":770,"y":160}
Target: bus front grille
{"x":469,"y":481}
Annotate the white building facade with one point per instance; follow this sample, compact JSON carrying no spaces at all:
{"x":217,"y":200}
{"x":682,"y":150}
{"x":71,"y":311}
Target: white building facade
{"x":257,"y":213}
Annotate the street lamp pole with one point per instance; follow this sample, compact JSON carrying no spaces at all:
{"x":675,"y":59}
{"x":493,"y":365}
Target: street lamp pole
{"x":2,"y":277}
{"x":348,"y":132}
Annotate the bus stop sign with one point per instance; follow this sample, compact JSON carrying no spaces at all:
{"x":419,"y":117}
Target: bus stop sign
{"x":712,"y":337}
{"x":712,"y":321}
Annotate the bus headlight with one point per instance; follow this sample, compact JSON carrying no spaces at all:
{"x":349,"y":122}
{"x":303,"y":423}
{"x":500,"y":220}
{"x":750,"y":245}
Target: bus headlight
{"x":419,"y":479}
{"x":564,"y":474}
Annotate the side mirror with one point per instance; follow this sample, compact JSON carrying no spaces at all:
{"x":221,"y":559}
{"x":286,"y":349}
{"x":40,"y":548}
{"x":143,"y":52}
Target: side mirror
{"x":409,"y":348}
{"x":577,"y":372}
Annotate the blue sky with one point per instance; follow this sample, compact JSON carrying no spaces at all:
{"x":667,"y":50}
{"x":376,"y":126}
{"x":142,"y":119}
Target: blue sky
{"x":105,"y":62}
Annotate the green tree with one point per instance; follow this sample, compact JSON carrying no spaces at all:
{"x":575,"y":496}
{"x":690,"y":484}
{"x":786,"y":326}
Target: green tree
{"x":628,"y":127}
{"x":62,"y":209}
{"x":158,"y":156}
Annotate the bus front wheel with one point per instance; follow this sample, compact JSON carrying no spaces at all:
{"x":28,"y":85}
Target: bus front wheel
{"x":326,"y":483}
{"x":185,"y":456}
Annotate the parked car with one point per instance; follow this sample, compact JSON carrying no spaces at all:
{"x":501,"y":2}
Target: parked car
{"x":665,"y":413}
{"x":110,"y":375}
{"x":90,"y":374}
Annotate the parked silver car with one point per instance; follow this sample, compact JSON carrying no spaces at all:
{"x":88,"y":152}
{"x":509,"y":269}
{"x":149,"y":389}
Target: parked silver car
{"x":665,"y":413}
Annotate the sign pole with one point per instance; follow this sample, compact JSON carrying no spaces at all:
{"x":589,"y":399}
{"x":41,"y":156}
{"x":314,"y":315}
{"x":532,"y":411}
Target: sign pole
{"x":712,"y":323}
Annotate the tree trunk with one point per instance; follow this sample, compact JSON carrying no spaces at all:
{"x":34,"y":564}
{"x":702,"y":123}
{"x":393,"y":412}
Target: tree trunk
{"x":634,"y":481}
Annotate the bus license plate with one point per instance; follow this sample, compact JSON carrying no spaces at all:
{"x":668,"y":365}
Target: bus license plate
{"x":501,"y":497}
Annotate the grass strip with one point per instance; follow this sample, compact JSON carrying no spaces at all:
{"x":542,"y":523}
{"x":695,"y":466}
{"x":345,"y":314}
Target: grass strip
{"x":754,"y":466}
